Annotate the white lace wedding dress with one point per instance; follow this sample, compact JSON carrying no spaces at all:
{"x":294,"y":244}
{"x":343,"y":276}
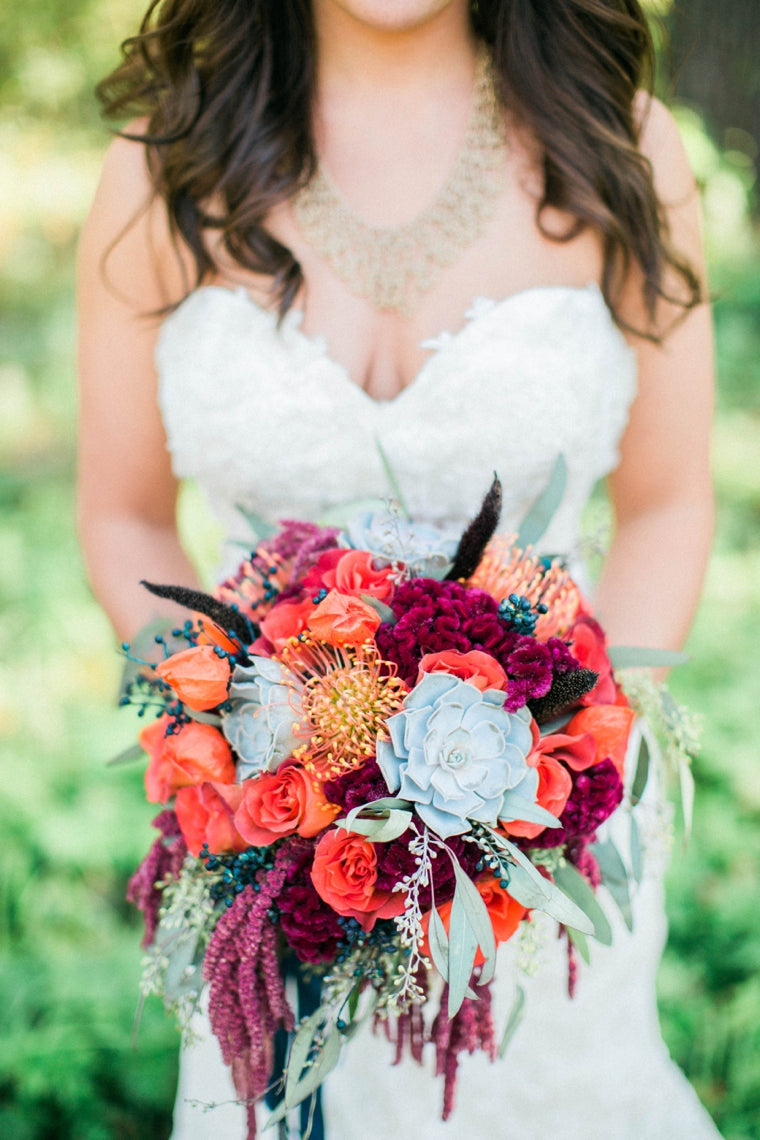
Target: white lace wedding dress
{"x":265,"y":419}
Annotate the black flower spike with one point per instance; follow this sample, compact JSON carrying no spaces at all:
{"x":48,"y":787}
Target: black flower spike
{"x":567,"y":689}
{"x":477,"y":535}
{"x":230,"y":620}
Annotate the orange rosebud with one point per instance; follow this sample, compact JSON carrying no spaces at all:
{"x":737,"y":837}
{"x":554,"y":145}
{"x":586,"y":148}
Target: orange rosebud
{"x":343,"y":620}
{"x":281,"y":803}
{"x":610,"y":726}
{"x":198,"y":676}
{"x":191,"y":755}
{"x":344,"y":874}
{"x":286,"y":620}
{"x":478,"y":668}
{"x":205,"y":813}
{"x":209,"y":633}
{"x":355,"y":574}
{"x":505,"y":912}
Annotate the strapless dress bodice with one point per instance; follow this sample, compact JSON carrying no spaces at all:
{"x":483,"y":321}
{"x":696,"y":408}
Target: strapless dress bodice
{"x":264,"y":419}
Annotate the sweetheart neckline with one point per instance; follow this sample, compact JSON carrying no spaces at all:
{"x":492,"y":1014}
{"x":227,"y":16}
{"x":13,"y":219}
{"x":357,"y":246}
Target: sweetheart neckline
{"x":480,"y":307}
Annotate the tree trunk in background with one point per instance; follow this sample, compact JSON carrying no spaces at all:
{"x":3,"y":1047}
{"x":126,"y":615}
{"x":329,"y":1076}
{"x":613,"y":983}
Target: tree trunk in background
{"x":715,"y":63}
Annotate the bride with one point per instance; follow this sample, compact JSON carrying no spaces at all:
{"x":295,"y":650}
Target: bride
{"x":462,"y":232}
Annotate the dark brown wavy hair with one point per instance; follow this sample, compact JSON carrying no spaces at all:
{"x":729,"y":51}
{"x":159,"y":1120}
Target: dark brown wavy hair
{"x":227,"y":86}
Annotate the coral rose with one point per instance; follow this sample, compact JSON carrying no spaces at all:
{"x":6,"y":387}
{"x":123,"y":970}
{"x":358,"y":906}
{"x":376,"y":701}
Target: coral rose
{"x":286,"y":620}
{"x":610,"y":727}
{"x":342,"y":620}
{"x":199,"y":676}
{"x":505,"y":913}
{"x":281,"y":803}
{"x":205,"y":813}
{"x":479,"y":668}
{"x":344,"y":874}
{"x":192,"y":755}
{"x":589,"y":646}
{"x":554,"y":787}
{"x":355,"y":574}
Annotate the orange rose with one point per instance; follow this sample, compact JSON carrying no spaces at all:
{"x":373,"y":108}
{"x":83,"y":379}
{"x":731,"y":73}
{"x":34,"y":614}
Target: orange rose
{"x":343,"y":620}
{"x":589,"y":646}
{"x":479,"y":668}
{"x":355,"y":574}
{"x":286,"y":620}
{"x":192,"y":755}
{"x":610,"y":727}
{"x":281,"y":803}
{"x":205,"y":813}
{"x":554,"y":787}
{"x":344,"y":874}
{"x":505,"y":913}
{"x":198,"y":676}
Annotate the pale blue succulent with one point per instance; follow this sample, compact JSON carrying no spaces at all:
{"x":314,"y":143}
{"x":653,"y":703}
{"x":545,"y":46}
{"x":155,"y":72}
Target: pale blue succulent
{"x":392,"y":537}
{"x":263,"y":718}
{"x":454,"y":752}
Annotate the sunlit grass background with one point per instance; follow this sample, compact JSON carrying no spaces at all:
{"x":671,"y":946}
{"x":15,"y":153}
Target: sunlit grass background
{"x":72,"y":830}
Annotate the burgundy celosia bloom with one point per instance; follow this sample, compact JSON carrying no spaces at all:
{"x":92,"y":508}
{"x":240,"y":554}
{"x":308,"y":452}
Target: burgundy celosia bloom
{"x":165,"y":857}
{"x":596,"y":793}
{"x":434,"y":616}
{"x":310,"y":926}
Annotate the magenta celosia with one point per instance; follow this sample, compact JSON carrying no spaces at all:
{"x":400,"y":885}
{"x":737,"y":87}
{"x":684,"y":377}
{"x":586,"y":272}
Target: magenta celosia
{"x":310,"y":926}
{"x":164,"y":859}
{"x":435,"y":616}
{"x":596,"y":793}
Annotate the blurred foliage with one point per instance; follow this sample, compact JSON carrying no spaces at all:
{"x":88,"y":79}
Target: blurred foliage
{"x":73,"y":829}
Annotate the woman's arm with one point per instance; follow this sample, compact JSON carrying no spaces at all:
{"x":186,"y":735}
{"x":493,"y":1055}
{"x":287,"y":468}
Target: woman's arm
{"x":661,"y":491}
{"x":127,"y":493}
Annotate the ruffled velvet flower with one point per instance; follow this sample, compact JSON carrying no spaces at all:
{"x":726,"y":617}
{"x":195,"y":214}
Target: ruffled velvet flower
{"x":311,"y":927}
{"x":433,"y":617}
{"x":596,"y":793}
{"x":454,"y":752}
{"x":263,"y":718}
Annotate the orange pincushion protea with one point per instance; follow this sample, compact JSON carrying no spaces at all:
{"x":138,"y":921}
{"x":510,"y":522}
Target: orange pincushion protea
{"x":505,"y":569}
{"x":346,"y":694}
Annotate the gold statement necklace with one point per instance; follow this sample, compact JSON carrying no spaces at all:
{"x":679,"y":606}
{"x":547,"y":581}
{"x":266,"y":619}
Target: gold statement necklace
{"x":394,"y":266}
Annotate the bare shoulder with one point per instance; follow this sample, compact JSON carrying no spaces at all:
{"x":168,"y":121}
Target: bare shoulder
{"x":660,"y":142}
{"x":126,"y":238}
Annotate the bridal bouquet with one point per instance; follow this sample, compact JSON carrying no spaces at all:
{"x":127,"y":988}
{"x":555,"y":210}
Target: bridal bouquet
{"x":379,"y":752}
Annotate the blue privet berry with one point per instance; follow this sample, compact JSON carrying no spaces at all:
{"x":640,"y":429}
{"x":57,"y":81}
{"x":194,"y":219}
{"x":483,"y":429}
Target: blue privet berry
{"x":519,"y":615}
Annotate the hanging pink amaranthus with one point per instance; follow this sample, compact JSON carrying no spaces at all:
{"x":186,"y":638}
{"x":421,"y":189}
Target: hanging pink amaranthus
{"x":247,"y":1002}
{"x":165,"y":858}
{"x":470,"y":1029}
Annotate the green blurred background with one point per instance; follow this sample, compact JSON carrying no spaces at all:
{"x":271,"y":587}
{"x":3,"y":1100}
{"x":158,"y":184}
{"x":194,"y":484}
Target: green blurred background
{"x":72,"y":830}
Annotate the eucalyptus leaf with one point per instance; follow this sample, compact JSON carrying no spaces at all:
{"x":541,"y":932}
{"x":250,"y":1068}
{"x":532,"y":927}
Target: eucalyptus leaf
{"x":614,"y":877}
{"x":638,"y":657}
{"x":260,"y":526}
{"x":301,"y":1048}
{"x":642,"y":771}
{"x":463,"y":945}
{"x":324,"y":1063}
{"x":390,"y":475}
{"x":439,"y":944}
{"x":353,"y":1001}
{"x":569,"y":879}
{"x":541,"y":513}
{"x":385,"y":613}
{"x":516,"y":1015}
{"x":580,"y":942}
{"x":382,"y":830}
{"x":478,"y":918}
{"x":637,"y":851}
{"x":516,"y":807}
{"x":182,"y":974}
{"x":204,"y":717}
{"x":134,"y":752}
{"x":530,"y":888}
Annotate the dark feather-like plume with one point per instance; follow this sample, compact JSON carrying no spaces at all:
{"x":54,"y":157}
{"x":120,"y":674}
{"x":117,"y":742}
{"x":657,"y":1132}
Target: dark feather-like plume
{"x":230,"y":620}
{"x":477,"y":535}
{"x":567,"y":689}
